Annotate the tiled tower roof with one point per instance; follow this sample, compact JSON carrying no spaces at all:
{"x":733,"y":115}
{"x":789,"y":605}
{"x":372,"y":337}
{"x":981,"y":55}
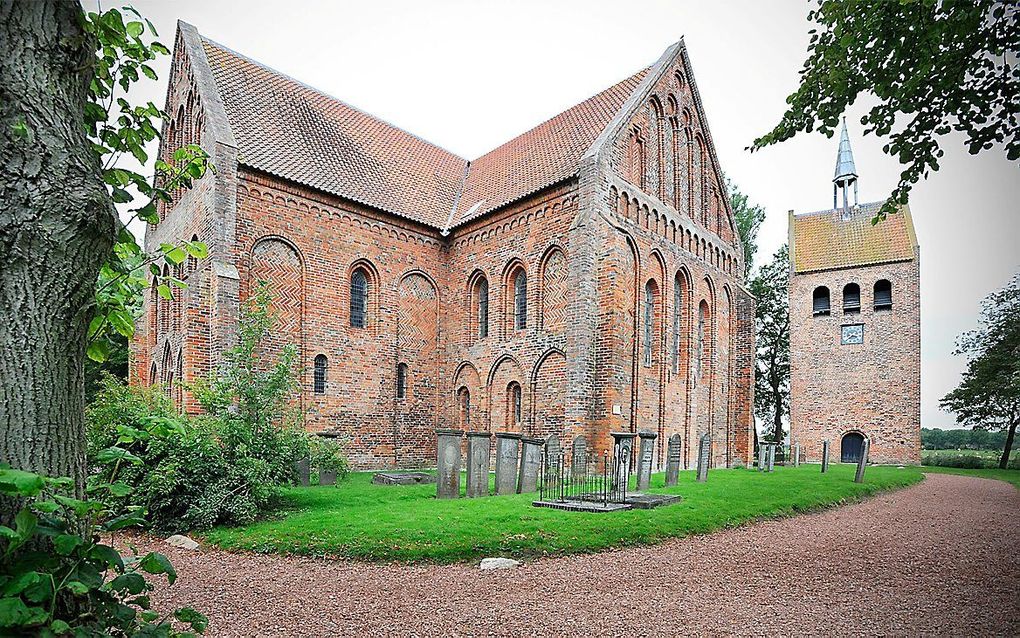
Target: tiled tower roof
{"x":830,"y":239}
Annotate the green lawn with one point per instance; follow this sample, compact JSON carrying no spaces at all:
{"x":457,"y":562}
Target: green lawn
{"x":406,"y":523}
{"x":1010,"y":476}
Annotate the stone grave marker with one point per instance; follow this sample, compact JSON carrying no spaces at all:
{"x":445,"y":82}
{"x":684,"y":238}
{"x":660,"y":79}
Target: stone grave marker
{"x":623,"y":449}
{"x":862,"y":462}
{"x":531,"y":462}
{"x":302,"y":467}
{"x":796,"y":454}
{"x":772,"y":457}
{"x":762,"y":456}
{"x":508,"y":448}
{"x":825,"y":457}
{"x":646,"y":452}
{"x":479,"y":448}
{"x":673,"y":452}
{"x":448,"y":463}
{"x":704,"y":453}
{"x":579,"y":456}
{"x":553,"y":451}
{"x":327,"y":477}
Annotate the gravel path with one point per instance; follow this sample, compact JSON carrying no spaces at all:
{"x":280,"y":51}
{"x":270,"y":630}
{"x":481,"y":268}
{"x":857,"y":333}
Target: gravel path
{"x":940,"y":557}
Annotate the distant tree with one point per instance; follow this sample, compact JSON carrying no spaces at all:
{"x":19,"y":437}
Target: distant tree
{"x":772,"y":328}
{"x":749,"y":218}
{"x":935,"y":66}
{"x":989,"y":394}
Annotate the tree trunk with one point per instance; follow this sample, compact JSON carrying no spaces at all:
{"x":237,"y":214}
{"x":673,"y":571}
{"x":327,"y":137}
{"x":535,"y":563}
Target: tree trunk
{"x":57,"y":226}
{"x":777,"y":418}
{"x":1004,"y":461}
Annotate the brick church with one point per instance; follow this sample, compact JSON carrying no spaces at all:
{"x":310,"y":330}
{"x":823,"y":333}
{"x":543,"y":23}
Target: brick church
{"x":582,"y":278}
{"x":855,"y":328}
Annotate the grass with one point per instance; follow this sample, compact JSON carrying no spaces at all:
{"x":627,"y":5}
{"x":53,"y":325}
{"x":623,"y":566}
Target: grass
{"x":1009,"y":476}
{"x":363,"y":521}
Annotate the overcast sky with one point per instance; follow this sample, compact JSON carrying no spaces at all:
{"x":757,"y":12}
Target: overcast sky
{"x":469,"y":75}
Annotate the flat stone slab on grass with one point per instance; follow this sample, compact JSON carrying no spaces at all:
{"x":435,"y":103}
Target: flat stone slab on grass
{"x":583,"y":506}
{"x":403,"y":478}
{"x":648,"y":501}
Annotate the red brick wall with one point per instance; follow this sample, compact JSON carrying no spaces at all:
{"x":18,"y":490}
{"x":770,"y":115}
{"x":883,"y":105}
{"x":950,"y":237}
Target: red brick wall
{"x":872,"y":388}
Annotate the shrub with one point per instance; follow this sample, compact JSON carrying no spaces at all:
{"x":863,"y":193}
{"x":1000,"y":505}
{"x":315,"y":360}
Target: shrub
{"x":58,"y":579}
{"x":327,"y":454}
{"x":968,"y":461}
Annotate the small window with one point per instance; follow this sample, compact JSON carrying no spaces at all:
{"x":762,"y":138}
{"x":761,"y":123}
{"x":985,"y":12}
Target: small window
{"x":401,"y":380}
{"x":677,"y":309}
{"x":520,"y":301}
{"x":851,"y":299}
{"x":464,"y":402}
{"x":701,"y":368}
{"x":513,"y":404}
{"x":319,"y":374}
{"x":649,"y":320}
{"x":883,"y":294}
{"x":482,"y":294}
{"x":820,"y":301}
{"x":359,"y":299}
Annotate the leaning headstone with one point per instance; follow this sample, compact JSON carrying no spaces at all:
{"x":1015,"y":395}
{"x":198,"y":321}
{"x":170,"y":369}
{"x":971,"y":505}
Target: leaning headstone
{"x":552,"y":460}
{"x":579,"y":456}
{"x":704,"y":453}
{"x":862,"y":463}
{"x":479,"y":447}
{"x":796,"y":454}
{"x":531,"y":462}
{"x":302,"y":467}
{"x":327,"y":477}
{"x":508,"y":447}
{"x":645,"y":454}
{"x":623,"y":449}
{"x":448,"y":463}
{"x":771,"y":457}
{"x":825,"y":457}
{"x":673,"y":453}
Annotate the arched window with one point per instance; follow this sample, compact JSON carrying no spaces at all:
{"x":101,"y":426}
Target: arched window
{"x":319,"y":374}
{"x":482,"y":299}
{"x":883,"y":294}
{"x":513,"y":408}
{"x":152,"y":374}
{"x":359,"y":299}
{"x":401,"y":380}
{"x":851,"y":299}
{"x":192,"y":260}
{"x":464,"y":403}
{"x":700,"y":366}
{"x":820,"y":301}
{"x":649,"y":320}
{"x":520,"y":300}
{"x":677,"y":310}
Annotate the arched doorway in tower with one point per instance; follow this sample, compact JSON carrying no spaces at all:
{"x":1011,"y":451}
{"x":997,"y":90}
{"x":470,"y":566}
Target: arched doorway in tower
{"x":851,"y":448}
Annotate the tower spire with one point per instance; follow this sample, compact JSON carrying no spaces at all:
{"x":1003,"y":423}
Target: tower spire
{"x":846,"y":171}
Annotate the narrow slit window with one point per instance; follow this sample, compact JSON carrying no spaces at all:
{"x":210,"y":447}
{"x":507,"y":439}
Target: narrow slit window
{"x":520,"y":301}
{"x":319,"y":370}
{"x":401,"y":380}
{"x":482,"y":293}
{"x":359,"y":299}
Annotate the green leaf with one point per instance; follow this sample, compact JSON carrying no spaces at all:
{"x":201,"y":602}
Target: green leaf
{"x":98,"y":351}
{"x":76,"y":587}
{"x":80,"y":508}
{"x":20,"y":483}
{"x":119,"y":490}
{"x":21,"y":582}
{"x":197,"y":620}
{"x":156,"y":563}
{"x":130,"y":519}
{"x":107,"y":555}
{"x":66,"y":543}
{"x":131,"y":582}
{"x":135,"y":29}
{"x":113,"y":454}
{"x":163,"y":291}
{"x":15,"y":613}
{"x":197,"y":249}
{"x":59,"y":627}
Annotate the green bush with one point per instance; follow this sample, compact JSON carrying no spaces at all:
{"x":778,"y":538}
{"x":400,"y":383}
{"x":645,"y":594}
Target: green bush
{"x":327,"y":454}
{"x":967,"y":461}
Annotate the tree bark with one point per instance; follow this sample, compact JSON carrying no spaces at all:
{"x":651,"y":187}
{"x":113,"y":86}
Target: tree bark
{"x":57,"y":226}
{"x":1004,"y":461}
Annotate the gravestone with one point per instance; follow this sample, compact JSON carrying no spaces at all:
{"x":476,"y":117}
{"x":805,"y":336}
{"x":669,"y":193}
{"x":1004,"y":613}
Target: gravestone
{"x":673,"y":452}
{"x":479,"y":447}
{"x":302,"y":467}
{"x":762,"y":456}
{"x":531,"y":463}
{"x":825,"y":457}
{"x":704,"y":453}
{"x":327,"y":477}
{"x":579,"y":456}
{"x":772,"y":457}
{"x":448,"y":463}
{"x":796,"y":454}
{"x":862,"y":462}
{"x":645,"y":454}
{"x":553,"y":452}
{"x":623,"y":449}
{"x":508,"y":447}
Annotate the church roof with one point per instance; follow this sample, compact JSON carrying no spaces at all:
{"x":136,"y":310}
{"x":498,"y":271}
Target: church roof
{"x":831,"y":239}
{"x":291,"y":130}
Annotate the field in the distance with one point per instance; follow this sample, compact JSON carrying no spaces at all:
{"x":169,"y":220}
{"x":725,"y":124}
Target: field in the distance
{"x":406,"y":523}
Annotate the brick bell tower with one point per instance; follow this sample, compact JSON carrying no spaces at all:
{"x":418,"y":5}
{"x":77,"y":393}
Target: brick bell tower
{"x":855,"y":327}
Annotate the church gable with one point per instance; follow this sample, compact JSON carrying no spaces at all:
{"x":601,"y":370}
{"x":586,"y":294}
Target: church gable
{"x":664,"y":148}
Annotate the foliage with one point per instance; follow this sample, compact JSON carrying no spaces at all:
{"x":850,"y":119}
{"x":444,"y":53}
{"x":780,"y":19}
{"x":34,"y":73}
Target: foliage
{"x":972,"y":461}
{"x":939,"y":65}
{"x":976,"y":438}
{"x":749,"y":218}
{"x":124,"y":50}
{"x":772,"y":329}
{"x":989,"y":392}
{"x":327,"y":454}
{"x":57,"y":578}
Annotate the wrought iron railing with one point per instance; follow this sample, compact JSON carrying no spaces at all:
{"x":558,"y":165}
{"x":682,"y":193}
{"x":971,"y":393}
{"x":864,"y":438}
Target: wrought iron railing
{"x":597,"y":479}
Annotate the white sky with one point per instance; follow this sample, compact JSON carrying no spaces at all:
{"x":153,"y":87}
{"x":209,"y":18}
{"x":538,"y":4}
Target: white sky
{"x":469,"y":75}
